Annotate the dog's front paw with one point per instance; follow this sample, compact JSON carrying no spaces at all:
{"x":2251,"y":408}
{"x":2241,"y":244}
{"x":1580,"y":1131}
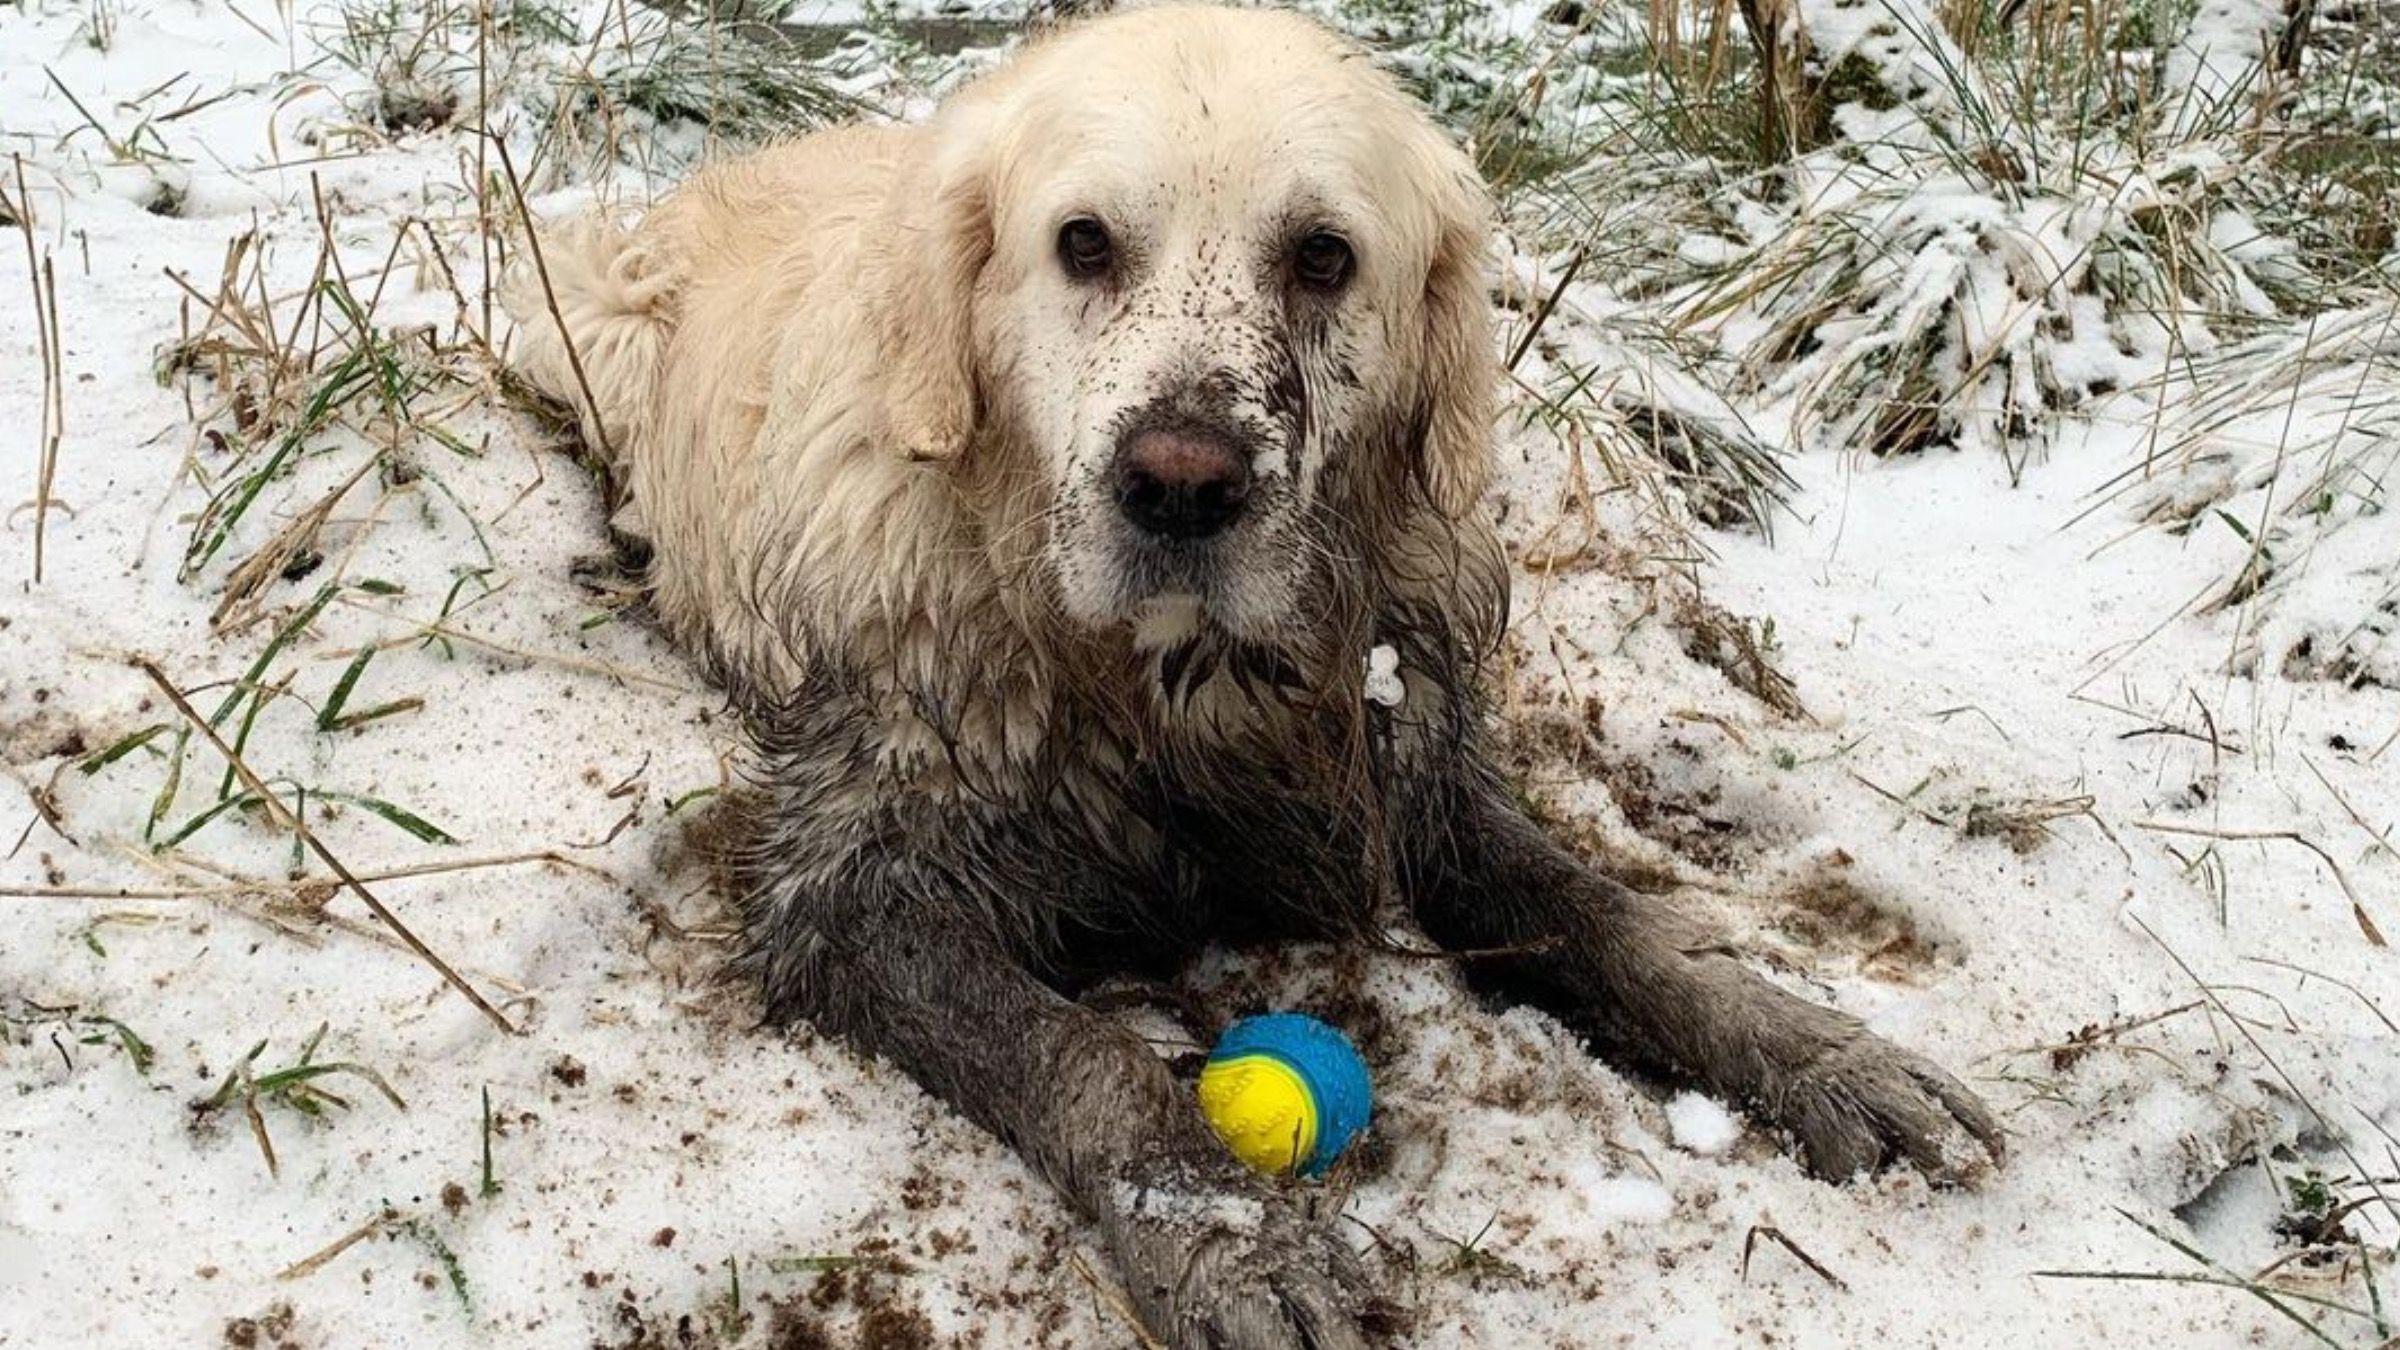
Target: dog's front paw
{"x":1865,"y":1104}
{"x":1224,"y":1263}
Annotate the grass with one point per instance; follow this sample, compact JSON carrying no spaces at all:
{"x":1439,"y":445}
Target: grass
{"x":1907,"y":282}
{"x":20,"y":1018}
{"x":1653,"y":423}
{"x":655,"y":87}
{"x":1990,"y":226}
{"x":239,"y":712}
{"x":304,"y":402}
{"x":2363,"y":1326}
{"x":391,"y":1222}
{"x":454,"y":1271}
{"x":42,"y":272}
{"x":731,"y":1317}
{"x":142,"y":144}
{"x":1471,"y":1260}
{"x":300,"y":1087}
{"x":489,"y":1185}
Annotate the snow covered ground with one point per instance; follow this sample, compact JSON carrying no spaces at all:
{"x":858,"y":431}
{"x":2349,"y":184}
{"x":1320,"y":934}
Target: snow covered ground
{"x":2095,"y":810}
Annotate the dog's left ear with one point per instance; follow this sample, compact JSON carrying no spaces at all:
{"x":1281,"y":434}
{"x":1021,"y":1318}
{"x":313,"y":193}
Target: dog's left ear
{"x":936,"y":238}
{"x":1458,"y":371}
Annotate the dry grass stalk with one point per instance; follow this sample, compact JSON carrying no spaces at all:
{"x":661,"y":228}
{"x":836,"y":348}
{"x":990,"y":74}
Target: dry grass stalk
{"x":298,"y":910}
{"x":42,"y":280}
{"x":290,"y":820}
{"x":324,"y":1256}
{"x":2025,"y":822}
{"x":2358,"y":908}
{"x":1787,"y":100}
{"x":541,"y":267}
{"x":2382,"y":839}
{"x":242,"y":885}
{"x":1545,"y":558}
{"x":424,"y":630}
{"x":1108,"y":1293}
{"x":246,"y":585}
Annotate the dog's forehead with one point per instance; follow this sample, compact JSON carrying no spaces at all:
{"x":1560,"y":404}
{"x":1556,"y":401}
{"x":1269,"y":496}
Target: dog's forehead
{"x":1199,"y":51}
{"x":1240,"y":114}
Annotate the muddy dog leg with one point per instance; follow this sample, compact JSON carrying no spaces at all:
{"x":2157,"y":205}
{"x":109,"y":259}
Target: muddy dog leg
{"x":897,"y":956}
{"x":1627,"y":971}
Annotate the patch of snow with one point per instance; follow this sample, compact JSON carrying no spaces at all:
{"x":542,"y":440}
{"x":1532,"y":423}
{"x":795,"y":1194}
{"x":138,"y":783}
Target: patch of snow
{"x":1383,"y":683}
{"x":1700,"y":1125}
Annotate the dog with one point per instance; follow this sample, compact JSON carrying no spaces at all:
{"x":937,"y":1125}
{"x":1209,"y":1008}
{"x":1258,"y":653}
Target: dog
{"x":1040,"y":479}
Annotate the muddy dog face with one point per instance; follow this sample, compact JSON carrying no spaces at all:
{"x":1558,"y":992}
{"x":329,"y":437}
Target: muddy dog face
{"x":1189,"y":279}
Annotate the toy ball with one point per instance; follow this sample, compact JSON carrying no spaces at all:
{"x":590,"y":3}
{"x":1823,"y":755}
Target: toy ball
{"x":1286,"y":1092}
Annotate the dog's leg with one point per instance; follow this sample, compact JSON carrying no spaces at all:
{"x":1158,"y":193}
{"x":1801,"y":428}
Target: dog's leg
{"x":1626,"y":970}
{"x":898,"y":955}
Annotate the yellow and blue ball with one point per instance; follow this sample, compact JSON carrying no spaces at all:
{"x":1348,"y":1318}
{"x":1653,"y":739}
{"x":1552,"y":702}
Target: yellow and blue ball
{"x":1286,"y":1092}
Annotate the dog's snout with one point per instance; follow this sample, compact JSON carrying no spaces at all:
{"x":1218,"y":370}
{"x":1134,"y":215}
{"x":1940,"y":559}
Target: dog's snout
{"x":1178,"y":483}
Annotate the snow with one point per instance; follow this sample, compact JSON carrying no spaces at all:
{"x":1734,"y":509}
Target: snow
{"x":1700,"y":1125}
{"x":2160,"y":982}
{"x":1383,"y":683}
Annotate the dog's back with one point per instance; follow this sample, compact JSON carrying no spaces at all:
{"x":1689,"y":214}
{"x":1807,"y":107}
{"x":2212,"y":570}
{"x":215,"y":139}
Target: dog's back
{"x":679,"y":325}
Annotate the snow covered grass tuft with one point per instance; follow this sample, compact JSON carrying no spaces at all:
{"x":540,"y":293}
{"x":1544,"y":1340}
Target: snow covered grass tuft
{"x":665,"y":86}
{"x":1954,"y":250}
{"x":1890,"y":226}
{"x":626,"y":84}
{"x":2284,"y":449}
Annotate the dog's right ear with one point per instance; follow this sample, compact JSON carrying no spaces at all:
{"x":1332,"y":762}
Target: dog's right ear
{"x":1459,"y":370}
{"x":935,"y":240}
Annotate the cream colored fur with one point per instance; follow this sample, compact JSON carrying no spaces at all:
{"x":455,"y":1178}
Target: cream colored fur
{"x":856,"y":416}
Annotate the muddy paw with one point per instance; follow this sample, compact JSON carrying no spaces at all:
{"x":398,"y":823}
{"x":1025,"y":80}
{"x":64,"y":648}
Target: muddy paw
{"x":1216,"y":1263}
{"x":1866,"y":1104}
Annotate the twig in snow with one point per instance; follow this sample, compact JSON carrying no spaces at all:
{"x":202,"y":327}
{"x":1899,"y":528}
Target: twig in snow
{"x":1541,"y":316}
{"x":1783,"y":1240}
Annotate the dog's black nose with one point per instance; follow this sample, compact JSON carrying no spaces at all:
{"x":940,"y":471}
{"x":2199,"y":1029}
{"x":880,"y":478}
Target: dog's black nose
{"x":1180,"y":484}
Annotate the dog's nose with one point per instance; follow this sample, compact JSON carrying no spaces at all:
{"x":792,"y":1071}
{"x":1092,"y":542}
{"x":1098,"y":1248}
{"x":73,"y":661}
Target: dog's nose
{"x":1180,"y":484}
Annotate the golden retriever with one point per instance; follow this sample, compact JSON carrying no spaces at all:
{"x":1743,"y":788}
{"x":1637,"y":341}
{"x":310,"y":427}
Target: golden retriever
{"x":1043,"y":480}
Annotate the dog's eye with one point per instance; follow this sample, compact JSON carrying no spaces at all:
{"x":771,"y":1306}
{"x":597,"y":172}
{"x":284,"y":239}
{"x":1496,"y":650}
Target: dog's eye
{"x":1323,"y":261}
{"x":1084,"y":248}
